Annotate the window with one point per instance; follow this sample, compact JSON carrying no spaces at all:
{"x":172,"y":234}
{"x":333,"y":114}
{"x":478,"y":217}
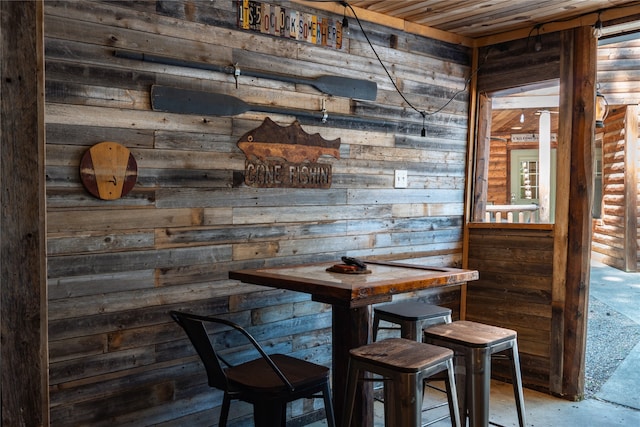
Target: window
{"x":514,"y":181}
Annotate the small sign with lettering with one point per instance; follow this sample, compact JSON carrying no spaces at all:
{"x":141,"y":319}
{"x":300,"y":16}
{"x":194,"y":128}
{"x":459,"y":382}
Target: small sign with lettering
{"x":279,"y":21}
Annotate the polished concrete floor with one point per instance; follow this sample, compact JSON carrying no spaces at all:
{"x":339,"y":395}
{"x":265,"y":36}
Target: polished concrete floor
{"x":615,"y":403}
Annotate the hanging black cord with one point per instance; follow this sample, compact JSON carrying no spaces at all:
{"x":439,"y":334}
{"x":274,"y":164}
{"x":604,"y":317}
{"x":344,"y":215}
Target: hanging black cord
{"x":424,"y":114}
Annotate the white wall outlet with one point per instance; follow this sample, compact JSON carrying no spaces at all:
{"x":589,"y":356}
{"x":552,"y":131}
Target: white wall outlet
{"x":400,"y":179}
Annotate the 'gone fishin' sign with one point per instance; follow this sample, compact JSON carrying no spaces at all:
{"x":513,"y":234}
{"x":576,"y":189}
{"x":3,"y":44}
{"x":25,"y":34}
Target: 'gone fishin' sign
{"x":286,"y":157}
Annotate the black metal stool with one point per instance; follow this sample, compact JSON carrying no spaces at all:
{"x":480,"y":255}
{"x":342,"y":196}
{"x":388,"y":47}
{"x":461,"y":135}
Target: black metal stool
{"x":476,"y":342}
{"x":412,"y":316}
{"x":404,"y":365}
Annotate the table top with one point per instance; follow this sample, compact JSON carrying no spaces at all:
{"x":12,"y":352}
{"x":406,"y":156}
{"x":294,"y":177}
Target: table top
{"x":355,"y":290}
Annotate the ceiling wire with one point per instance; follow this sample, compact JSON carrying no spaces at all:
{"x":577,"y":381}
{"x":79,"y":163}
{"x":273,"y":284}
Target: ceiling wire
{"x":423,"y":113}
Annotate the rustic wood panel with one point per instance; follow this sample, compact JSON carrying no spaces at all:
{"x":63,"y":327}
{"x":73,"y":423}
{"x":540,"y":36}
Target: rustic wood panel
{"x":23,"y":277}
{"x":116,"y":268}
{"x":514,"y":291}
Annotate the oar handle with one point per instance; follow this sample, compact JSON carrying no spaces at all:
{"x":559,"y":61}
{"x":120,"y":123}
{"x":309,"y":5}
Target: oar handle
{"x":167,"y":60}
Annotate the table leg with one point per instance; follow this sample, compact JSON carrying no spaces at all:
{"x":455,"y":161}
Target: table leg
{"x":351,"y":328}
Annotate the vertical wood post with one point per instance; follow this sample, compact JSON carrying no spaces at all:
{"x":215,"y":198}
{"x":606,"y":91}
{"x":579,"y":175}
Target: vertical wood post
{"x":544,"y":166}
{"x":483,"y":149}
{"x":573,"y":218}
{"x":23,"y":309}
{"x":631,"y":188}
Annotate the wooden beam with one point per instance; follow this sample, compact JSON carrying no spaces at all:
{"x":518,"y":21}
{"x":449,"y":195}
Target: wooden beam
{"x":23,"y":302}
{"x":482,"y":156}
{"x":469,"y":173}
{"x":573,"y":219}
{"x":544,"y":165}
{"x":388,"y":21}
{"x":589,"y":20}
{"x":631,"y":188}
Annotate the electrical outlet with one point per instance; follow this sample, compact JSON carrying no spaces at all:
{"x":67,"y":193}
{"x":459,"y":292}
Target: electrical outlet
{"x":400,"y":179}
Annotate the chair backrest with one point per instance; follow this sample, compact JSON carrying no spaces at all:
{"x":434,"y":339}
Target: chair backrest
{"x":194,"y":326}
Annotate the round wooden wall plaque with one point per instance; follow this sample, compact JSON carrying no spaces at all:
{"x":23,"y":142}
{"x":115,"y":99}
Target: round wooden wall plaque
{"x":108,"y":170}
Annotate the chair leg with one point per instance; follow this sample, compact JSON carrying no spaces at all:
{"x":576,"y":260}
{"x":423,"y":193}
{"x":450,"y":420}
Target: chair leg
{"x":328,"y":405}
{"x":452,"y":395}
{"x":376,"y":325}
{"x":224,"y":410}
{"x":516,"y":380}
{"x":350,"y":395}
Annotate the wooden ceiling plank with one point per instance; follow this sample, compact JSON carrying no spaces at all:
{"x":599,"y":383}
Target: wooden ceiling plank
{"x":396,"y":8}
{"x":505,"y":20}
{"x":456,"y":11}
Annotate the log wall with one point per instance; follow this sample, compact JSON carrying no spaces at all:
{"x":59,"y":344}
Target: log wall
{"x":614,"y":241}
{"x":609,"y":231}
{"x":115,"y":268}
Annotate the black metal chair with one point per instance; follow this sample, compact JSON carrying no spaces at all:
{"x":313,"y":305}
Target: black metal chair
{"x":268,"y":382}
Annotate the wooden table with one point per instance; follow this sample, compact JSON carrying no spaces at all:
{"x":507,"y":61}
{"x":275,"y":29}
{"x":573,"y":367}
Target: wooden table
{"x":351,"y":296}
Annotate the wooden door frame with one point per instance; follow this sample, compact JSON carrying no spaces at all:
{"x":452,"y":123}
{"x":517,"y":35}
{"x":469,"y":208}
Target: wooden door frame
{"x":572,"y":228}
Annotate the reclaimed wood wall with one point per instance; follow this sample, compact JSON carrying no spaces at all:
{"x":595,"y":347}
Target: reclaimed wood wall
{"x":115,"y":268}
{"x":514,"y":290}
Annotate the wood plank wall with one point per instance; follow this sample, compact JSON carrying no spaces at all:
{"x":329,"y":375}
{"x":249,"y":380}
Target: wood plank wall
{"x":514,"y":290}
{"x":117,"y":267}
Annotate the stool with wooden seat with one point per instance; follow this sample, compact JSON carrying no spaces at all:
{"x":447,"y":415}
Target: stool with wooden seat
{"x":476,"y":342}
{"x":404,"y":366}
{"x":411,"y":316}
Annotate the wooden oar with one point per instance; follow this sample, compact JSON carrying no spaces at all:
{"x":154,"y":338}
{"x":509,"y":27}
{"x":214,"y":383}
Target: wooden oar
{"x":332,"y":85}
{"x":187,"y":101}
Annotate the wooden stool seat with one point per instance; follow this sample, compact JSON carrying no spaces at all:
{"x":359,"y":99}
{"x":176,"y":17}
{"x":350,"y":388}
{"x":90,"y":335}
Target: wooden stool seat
{"x":412,"y":316}
{"x":476,"y":342}
{"x":404,"y":365}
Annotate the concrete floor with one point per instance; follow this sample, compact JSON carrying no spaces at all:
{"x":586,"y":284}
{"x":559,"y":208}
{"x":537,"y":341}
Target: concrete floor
{"x":617,"y":403}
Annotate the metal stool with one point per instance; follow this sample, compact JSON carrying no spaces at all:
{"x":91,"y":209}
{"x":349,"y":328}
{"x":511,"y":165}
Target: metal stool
{"x":412,"y":316}
{"x":405,"y":365}
{"x":476,"y":342}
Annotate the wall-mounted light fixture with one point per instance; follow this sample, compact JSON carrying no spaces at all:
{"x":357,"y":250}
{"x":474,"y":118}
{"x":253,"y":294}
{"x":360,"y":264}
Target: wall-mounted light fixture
{"x":345,"y":21}
{"x":537,"y":45}
{"x":602,"y":107}
{"x":597,"y":28}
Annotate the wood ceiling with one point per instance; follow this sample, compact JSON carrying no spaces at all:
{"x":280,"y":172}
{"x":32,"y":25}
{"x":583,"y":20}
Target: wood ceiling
{"x":483,"y":18}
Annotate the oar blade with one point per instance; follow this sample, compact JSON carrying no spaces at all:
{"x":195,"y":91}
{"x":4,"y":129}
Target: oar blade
{"x":347,"y":87}
{"x":186,"y":101}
